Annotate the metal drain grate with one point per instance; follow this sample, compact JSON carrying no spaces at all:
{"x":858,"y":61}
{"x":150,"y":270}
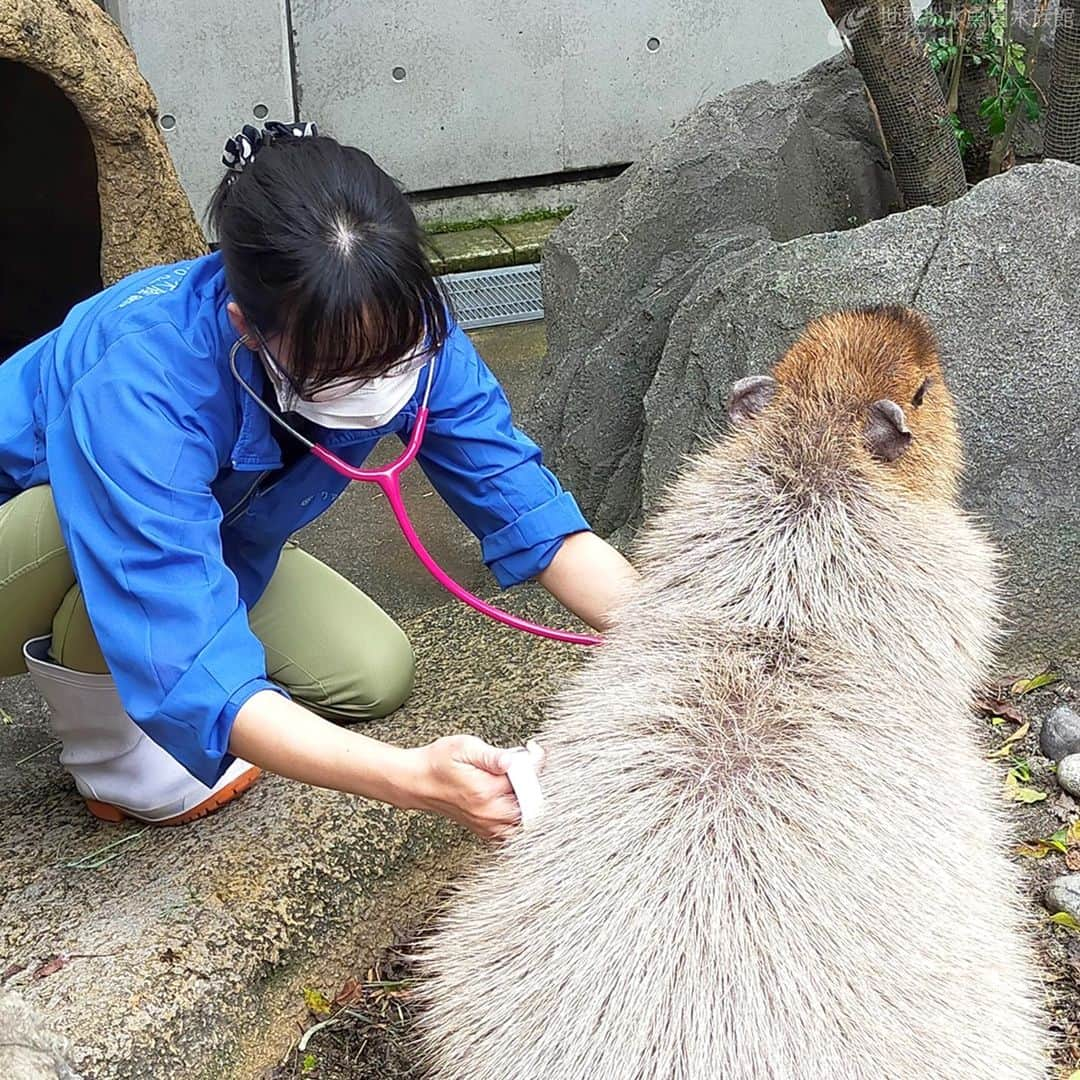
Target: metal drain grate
{"x":507,"y":294}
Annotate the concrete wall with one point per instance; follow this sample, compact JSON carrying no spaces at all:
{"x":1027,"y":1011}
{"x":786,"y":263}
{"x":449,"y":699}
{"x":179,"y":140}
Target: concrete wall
{"x":458,"y":92}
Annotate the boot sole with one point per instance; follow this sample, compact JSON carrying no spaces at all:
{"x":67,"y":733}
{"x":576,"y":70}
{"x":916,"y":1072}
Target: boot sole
{"x":115,"y":814}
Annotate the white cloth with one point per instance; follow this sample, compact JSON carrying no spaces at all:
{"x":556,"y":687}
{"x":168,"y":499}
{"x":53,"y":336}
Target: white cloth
{"x":524,"y":777}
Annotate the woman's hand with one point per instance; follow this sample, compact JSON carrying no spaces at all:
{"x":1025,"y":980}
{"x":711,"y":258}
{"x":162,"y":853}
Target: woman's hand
{"x":464,"y":778}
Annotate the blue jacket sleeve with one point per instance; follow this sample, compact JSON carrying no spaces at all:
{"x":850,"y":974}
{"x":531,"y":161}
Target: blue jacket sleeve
{"x":131,"y":465}
{"x":490,"y":473}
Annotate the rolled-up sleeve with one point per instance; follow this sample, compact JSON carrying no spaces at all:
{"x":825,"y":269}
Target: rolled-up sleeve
{"x":131,"y":466}
{"x":490,"y":473}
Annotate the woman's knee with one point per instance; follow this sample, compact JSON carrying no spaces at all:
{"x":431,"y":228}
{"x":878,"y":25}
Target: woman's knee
{"x":377,"y":680}
{"x":35,"y":572}
{"x":74,"y":644}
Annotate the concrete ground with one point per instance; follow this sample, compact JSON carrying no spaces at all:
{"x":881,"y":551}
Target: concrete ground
{"x":163,"y":954}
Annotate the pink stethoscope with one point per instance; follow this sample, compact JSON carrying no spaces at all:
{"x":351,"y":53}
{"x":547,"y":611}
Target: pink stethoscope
{"x":388,"y":479}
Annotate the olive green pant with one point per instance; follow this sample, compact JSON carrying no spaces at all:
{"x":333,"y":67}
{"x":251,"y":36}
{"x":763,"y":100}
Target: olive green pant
{"x":330,"y":646}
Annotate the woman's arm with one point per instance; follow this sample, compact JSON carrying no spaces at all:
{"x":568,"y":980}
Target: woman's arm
{"x":588,"y":576}
{"x":460,"y":777}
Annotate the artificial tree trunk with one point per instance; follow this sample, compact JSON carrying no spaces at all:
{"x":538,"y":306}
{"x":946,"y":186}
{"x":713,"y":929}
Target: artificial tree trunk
{"x":1063,"y":114}
{"x":907,"y":95}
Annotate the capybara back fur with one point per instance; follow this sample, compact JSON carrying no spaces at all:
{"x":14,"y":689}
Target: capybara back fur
{"x":773,"y":848}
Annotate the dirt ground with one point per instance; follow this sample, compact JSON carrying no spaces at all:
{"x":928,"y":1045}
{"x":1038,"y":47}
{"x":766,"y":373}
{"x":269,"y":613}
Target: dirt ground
{"x":366,"y":1032}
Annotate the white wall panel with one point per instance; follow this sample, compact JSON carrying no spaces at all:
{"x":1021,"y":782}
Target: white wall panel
{"x":452,"y":92}
{"x":211,"y":64}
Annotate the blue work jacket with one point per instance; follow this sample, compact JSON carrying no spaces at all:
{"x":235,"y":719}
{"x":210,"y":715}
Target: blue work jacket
{"x":159,"y":461}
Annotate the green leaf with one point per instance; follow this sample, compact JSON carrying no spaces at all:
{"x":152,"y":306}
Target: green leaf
{"x":309,"y":1063}
{"x":1014,"y":792}
{"x":1036,"y":682}
{"x":1063,"y":918}
{"x":318,"y":1003}
{"x":1029,"y":795}
{"x":1021,"y":770}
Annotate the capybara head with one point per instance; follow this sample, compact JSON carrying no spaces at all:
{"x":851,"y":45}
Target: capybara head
{"x":868,"y":382}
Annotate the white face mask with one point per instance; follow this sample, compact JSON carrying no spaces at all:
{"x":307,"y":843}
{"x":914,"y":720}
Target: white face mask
{"x":369,"y":403}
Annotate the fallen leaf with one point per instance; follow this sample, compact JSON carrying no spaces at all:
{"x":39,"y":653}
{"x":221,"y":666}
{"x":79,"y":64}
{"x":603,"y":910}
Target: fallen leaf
{"x":13,"y":970}
{"x":350,"y":991}
{"x":1019,"y":733}
{"x":1007,"y":746}
{"x":1036,"y":682}
{"x":1059,"y":842}
{"x":999,"y":709}
{"x":51,"y":967}
{"x":316,"y":1001}
{"x":1063,"y":918}
{"x":1016,"y":793}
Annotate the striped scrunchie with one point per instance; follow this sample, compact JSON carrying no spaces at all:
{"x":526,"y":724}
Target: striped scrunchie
{"x":241,"y":149}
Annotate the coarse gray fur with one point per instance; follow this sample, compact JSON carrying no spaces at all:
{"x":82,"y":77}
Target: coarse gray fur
{"x":772,"y":848}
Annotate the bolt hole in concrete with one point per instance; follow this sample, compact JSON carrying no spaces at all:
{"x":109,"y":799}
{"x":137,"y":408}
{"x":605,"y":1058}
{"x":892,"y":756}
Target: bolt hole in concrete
{"x":652,"y":44}
{"x":167,"y":121}
{"x":260,"y":112}
{"x":398,"y":74}
{"x":49,"y":205}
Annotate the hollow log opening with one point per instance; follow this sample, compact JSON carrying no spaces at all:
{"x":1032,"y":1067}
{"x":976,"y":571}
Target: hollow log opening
{"x":50,"y":219}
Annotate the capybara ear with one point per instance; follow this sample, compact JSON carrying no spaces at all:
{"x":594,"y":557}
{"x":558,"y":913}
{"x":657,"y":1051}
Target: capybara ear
{"x":887,"y":432}
{"x":749,"y":396}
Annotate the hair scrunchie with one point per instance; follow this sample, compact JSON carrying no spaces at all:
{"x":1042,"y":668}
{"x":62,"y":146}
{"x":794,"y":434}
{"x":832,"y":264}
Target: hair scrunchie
{"x":240,"y":150}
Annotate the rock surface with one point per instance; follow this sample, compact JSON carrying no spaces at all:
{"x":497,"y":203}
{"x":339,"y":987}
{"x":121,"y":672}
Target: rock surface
{"x":763,"y":160}
{"x":1063,"y":894}
{"x":1060,"y":733}
{"x":145,"y":215}
{"x":191,"y":949}
{"x":1068,"y":774}
{"x":995,"y":272}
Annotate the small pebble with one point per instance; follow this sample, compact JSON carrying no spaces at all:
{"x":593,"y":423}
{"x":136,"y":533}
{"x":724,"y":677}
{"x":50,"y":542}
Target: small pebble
{"x":1068,"y":774}
{"x":1060,"y":734}
{"x":1063,"y":894}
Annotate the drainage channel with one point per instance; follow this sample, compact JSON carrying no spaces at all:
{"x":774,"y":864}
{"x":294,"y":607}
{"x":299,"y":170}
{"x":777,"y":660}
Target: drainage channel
{"x":505,"y":294}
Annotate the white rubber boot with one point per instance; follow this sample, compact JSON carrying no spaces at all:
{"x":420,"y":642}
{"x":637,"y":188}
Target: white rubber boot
{"x":118,"y":770}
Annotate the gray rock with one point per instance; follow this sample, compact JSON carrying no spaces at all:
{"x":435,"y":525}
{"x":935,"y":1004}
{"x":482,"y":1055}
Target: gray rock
{"x":1063,"y":894}
{"x":1068,"y":773}
{"x":764,"y":160}
{"x":995,"y":272}
{"x":28,"y":1050}
{"x":1059,"y":737}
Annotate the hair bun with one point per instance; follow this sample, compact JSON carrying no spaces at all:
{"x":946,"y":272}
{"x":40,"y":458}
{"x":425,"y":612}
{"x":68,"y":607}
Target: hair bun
{"x":240,"y":150}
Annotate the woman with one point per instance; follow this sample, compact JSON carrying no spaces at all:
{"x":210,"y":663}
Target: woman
{"x":146,"y":502}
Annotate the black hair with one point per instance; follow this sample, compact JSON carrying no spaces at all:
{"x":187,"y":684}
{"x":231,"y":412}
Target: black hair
{"x":321,"y":246}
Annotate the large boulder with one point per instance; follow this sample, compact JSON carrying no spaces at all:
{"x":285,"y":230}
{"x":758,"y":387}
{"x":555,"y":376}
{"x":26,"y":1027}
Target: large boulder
{"x":763,"y":161}
{"x":996,"y":273}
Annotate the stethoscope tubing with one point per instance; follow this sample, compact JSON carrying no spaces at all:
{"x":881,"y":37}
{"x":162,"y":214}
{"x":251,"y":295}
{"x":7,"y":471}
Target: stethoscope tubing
{"x":388,"y":480}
